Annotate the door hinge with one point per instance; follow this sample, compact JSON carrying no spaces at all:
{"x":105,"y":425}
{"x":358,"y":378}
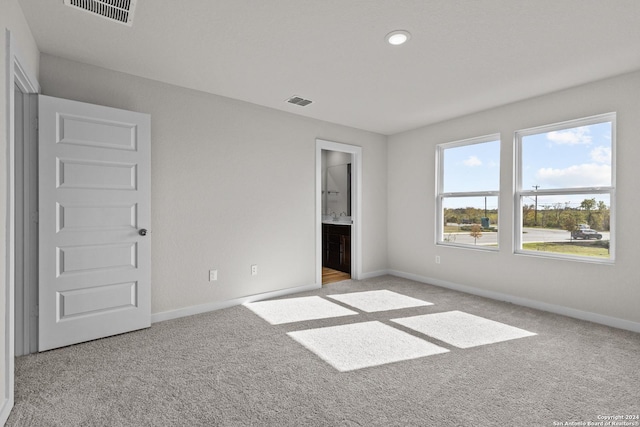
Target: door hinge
{"x":37,"y":123}
{"x":35,"y":217}
{"x":36,"y":311}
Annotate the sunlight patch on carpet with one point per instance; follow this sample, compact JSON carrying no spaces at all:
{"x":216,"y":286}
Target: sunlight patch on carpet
{"x":462,"y":330}
{"x":383,"y":300}
{"x":361,"y":345}
{"x":291,"y":310}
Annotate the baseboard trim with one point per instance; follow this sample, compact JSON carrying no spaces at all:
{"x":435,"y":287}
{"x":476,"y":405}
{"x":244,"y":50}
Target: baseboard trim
{"x":372,"y":274}
{"x":219,"y":305}
{"x":538,"y":305}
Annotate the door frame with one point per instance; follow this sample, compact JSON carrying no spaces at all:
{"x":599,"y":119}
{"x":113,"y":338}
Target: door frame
{"x":16,"y":75}
{"x":356,"y":205}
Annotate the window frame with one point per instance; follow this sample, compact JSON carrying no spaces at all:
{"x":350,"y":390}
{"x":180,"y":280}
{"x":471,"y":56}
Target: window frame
{"x":440,"y":195}
{"x":519,"y":193}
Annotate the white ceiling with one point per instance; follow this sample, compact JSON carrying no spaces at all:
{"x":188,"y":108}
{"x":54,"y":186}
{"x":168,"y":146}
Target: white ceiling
{"x":464,"y":55}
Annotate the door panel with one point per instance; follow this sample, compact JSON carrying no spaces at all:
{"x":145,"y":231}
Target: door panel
{"x":96,"y":217}
{"x":88,"y":301}
{"x":74,"y":173}
{"x":97,"y":133}
{"x":94,"y":196}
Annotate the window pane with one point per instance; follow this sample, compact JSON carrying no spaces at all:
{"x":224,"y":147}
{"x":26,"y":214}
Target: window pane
{"x":574,"y":225}
{"x":474,"y":167}
{"x":461,"y":213}
{"x":568,"y":158}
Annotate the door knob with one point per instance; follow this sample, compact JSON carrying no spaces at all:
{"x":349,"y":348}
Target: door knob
{"x":142,"y":232}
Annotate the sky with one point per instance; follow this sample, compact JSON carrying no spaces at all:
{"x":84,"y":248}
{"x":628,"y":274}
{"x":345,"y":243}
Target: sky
{"x":473,"y":167}
{"x":578,"y":157}
{"x":568,"y":158}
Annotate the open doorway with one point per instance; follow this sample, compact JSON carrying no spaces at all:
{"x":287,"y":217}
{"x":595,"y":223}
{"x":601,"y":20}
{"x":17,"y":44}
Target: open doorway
{"x":338,"y":174}
{"x":336,"y":216}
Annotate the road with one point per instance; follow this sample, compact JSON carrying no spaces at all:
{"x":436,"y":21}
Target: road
{"x":529,"y":235}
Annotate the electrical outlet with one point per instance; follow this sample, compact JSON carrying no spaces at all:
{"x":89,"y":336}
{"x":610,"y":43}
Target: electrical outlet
{"x":213,"y":275}
{"x":254,"y":270}
{"x":437,"y":259}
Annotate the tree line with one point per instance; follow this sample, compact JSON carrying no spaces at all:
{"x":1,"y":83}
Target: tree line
{"x":557,"y":215}
{"x":469,"y":215}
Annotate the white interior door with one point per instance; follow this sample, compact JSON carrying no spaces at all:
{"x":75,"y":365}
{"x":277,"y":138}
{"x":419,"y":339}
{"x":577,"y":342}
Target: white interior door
{"x":94,"y":209}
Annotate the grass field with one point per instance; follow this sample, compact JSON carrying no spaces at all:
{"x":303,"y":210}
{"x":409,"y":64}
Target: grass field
{"x":591,"y":249}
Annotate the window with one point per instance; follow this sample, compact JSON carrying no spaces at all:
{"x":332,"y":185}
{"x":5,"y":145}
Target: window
{"x":468,"y":183}
{"x":565,"y":189}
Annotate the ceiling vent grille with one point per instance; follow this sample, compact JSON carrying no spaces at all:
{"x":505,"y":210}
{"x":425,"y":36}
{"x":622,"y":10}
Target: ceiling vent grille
{"x":299,"y":101}
{"x":113,"y":10}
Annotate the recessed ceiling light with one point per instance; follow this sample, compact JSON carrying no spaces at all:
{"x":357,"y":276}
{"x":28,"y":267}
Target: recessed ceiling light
{"x":398,"y":37}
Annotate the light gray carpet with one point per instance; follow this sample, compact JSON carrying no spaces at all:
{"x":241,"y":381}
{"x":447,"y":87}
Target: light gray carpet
{"x":232,"y":368}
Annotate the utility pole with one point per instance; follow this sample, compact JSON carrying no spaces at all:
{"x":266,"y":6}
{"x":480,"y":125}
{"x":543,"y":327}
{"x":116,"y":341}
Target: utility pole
{"x":535,"y":213}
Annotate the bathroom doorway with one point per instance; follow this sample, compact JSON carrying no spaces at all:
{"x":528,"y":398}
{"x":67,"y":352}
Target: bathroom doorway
{"x":338,"y":173}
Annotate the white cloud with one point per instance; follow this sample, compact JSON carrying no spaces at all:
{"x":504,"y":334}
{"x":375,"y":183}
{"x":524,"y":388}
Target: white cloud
{"x":472,"y":161}
{"x":575,"y":136}
{"x":586,"y":175}
{"x":601,"y":154}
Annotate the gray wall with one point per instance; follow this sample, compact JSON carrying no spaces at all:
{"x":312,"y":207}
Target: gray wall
{"x":608,"y":290}
{"x":233,"y":184}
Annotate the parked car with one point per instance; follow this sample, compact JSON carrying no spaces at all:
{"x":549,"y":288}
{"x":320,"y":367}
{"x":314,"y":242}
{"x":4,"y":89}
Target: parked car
{"x":585,"y":233}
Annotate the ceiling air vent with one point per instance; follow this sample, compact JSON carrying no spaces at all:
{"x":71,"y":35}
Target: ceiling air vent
{"x":113,"y":10}
{"x":299,"y":101}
